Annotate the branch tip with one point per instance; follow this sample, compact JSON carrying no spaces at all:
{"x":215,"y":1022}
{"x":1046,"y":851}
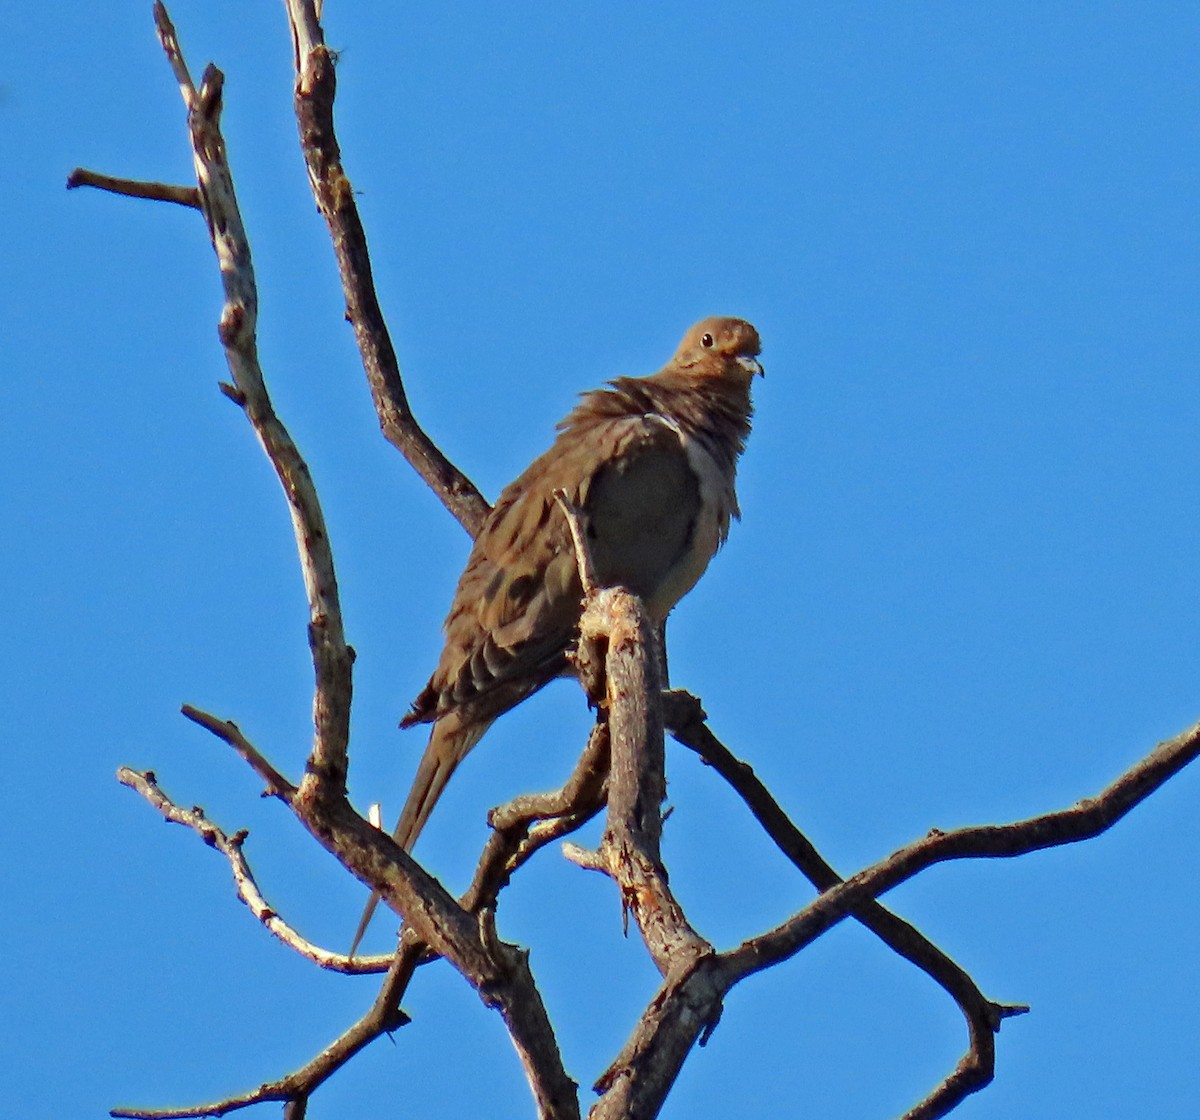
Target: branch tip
{"x":1010,"y":1010}
{"x":233,"y":393}
{"x":587,"y":858}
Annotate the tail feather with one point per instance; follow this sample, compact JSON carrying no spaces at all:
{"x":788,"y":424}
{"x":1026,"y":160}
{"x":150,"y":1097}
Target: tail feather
{"x":450,"y":742}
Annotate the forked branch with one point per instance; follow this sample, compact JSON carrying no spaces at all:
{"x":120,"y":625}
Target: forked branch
{"x":498,"y":971}
{"x":231,"y":847}
{"x":686,"y":720}
{"x":1083,"y":821}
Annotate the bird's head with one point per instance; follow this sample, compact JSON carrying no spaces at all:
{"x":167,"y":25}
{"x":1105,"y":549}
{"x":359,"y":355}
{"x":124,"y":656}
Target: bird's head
{"x":721,"y":347}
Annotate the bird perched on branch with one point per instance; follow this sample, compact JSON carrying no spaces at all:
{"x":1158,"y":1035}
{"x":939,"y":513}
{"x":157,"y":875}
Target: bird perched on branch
{"x":651,"y":463}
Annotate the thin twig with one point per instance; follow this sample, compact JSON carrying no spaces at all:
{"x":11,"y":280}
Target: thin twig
{"x":145,"y":783}
{"x":577,"y":525}
{"x":135,"y":188}
{"x":296,"y":1087}
{"x":170,"y":45}
{"x":229,"y":732}
{"x":526,"y":824}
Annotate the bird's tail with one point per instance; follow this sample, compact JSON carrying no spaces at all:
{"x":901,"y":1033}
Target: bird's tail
{"x":449,"y":743}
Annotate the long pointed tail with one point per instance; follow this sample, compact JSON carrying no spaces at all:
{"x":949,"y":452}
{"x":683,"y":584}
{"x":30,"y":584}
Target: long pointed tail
{"x":449,"y":743}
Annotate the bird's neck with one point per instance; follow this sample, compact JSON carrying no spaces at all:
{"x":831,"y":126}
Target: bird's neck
{"x":716,"y":410}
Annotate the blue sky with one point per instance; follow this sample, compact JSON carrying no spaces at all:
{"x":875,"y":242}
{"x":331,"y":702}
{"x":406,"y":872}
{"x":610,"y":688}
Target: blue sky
{"x":962,"y":592}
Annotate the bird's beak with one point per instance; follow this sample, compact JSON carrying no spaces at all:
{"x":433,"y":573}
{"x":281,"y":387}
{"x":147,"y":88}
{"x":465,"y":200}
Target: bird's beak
{"x":751,"y":365}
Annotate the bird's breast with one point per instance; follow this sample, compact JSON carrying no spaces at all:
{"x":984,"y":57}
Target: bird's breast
{"x":657,"y":515}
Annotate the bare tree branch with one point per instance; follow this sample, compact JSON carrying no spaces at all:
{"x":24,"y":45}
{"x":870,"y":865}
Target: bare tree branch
{"x":316,"y":85}
{"x":229,"y":732}
{"x":637,"y":786}
{"x":499,"y":972}
{"x":135,"y":188}
{"x":145,"y":783}
{"x":332,"y":658}
{"x":521,"y":827}
{"x":528,"y":823}
{"x":686,"y":720}
{"x":685,"y":1010}
{"x":1083,"y":821}
{"x":296,"y":1087}
{"x":688,"y":1005}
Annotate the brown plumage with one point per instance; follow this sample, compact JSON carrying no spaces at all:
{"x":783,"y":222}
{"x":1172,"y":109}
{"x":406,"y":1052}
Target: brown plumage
{"x":651,"y":462}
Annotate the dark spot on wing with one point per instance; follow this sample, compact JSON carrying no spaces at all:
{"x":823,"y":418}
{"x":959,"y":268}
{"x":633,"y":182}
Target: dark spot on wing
{"x":522,"y":589}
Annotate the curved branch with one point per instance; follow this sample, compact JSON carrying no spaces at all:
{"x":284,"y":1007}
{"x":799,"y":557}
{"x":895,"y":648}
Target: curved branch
{"x":296,"y":1087}
{"x":229,"y":732}
{"x":146,"y":784}
{"x":332,"y":658}
{"x":316,"y":85}
{"x":499,"y":972}
{"x":527,"y":823}
{"x":1083,"y":821}
{"x":686,"y":720}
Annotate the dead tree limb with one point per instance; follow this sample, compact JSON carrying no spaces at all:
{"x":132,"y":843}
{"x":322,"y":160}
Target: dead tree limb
{"x":686,"y":719}
{"x":232,"y":848}
{"x":1083,"y":821}
{"x":316,"y":87}
{"x":499,"y":972}
{"x":135,"y":188}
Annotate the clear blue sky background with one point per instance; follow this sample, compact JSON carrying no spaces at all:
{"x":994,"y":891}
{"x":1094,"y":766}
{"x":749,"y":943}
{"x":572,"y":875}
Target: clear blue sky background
{"x":964,"y":590}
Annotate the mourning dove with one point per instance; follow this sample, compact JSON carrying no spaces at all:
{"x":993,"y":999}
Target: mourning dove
{"x":651,"y":463}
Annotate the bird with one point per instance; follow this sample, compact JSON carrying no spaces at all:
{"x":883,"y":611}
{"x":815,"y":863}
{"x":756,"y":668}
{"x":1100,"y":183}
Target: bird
{"x":651,"y":463}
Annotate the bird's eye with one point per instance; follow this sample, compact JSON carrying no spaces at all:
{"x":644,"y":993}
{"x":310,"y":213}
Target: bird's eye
{"x":707,"y":341}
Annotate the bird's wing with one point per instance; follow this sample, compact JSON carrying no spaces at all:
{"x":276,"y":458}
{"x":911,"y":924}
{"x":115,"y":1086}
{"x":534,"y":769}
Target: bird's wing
{"x":517,"y":604}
